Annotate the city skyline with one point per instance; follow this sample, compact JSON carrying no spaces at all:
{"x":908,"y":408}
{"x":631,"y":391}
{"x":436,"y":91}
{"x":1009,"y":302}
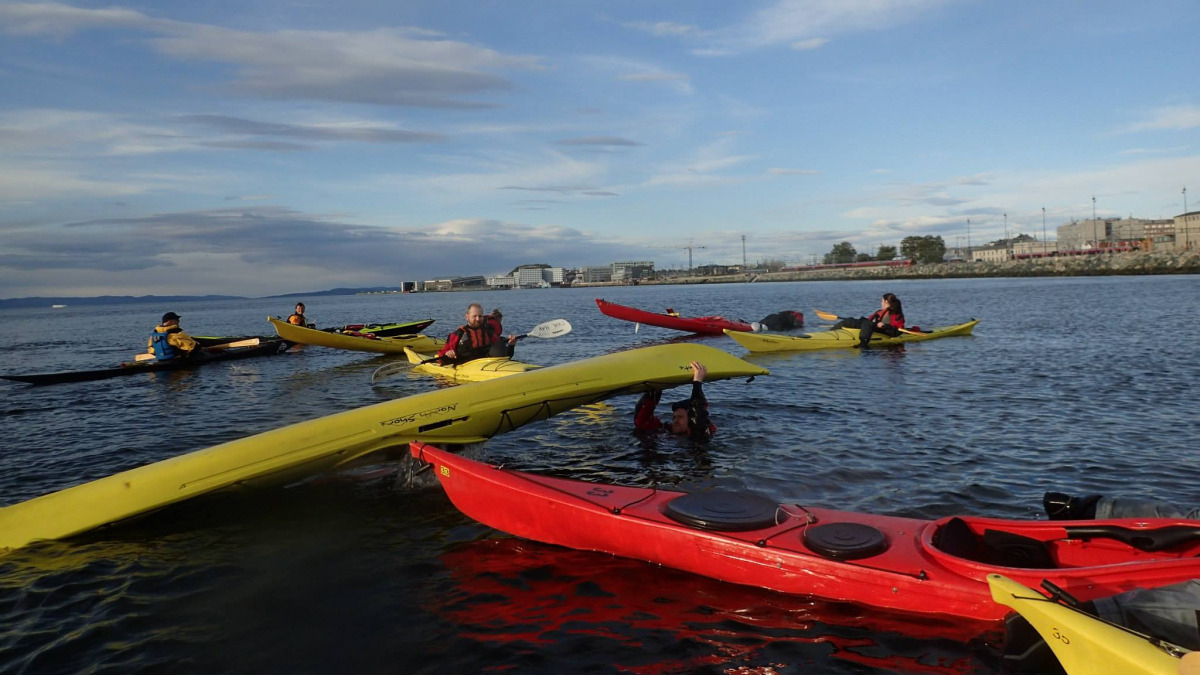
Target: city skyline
{"x":218,"y":146}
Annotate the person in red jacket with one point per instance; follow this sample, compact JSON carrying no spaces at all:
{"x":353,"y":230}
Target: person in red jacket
{"x":689,"y":416}
{"x":477,"y":338}
{"x":888,"y":320}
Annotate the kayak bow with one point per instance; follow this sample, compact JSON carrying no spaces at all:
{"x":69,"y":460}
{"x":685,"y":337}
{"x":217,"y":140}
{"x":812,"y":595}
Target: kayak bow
{"x":839,"y":337}
{"x":1084,"y":644}
{"x":380,"y":345}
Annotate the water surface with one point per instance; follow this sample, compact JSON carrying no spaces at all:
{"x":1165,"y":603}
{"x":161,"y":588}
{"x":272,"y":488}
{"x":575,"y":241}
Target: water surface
{"x":1072,"y":384}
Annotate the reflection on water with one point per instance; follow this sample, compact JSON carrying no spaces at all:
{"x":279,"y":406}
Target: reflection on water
{"x":374,"y":571}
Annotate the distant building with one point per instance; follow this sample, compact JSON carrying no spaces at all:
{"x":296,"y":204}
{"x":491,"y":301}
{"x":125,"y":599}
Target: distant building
{"x":1105,"y":232}
{"x":528,"y":277}
{"x":989,"y":253}
{"x":1034,"y":248}
{"x":506,"y":281}
{"x":595,"y":275}
{"x":454,"y":283}
{"x":632,"y":271}
{"x":1187,"y":231}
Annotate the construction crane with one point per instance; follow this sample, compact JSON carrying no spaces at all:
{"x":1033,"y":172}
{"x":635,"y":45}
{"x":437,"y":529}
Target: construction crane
{"x":689,"y":248}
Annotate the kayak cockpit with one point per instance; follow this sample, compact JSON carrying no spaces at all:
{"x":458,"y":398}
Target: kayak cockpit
{"x":985,"y":542}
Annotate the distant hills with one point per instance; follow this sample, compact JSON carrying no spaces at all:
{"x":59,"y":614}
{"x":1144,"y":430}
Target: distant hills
{"x":16,"y":303}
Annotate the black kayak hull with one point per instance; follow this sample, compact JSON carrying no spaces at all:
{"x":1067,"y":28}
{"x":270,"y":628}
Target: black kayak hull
{"x":264,"y":348}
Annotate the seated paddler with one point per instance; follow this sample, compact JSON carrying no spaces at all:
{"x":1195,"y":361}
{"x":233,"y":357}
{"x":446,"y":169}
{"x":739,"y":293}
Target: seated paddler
{"x":476,"y":339}
{"x":168,"y":341}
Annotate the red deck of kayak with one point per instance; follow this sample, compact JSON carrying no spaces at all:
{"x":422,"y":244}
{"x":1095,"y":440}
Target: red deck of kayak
{"x":708,"y":325}
{"x":911,"y":575}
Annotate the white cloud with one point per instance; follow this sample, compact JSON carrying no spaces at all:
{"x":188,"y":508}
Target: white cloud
{"x":59,"y":21}
{"x":1153,"y":151}
{"x":793,"y":172}
{"x":1171,"y":118}
{"x":809,"y":44}
{"x":632,"y":70}
{"x":803,"y":24}
{"x":664,"y":28}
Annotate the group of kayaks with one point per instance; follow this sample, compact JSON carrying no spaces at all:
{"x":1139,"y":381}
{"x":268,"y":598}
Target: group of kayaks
{"x":965,"y":567}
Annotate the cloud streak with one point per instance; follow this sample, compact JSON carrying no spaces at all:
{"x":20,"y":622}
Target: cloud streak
{"x":384,"y":66}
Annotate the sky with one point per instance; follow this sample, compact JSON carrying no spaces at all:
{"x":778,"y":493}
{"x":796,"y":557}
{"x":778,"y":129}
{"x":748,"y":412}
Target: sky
{"x":249,"y":147}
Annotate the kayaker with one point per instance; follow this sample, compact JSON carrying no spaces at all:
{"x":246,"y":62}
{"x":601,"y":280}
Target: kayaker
{"x":494,"y":320}
{"x":477,"y":338}
{"x":785,"y":320}
{"x":888,"y":320}
{"x":168,"y":341}
{"x":297,"y":318}
{"x":689,"y":416}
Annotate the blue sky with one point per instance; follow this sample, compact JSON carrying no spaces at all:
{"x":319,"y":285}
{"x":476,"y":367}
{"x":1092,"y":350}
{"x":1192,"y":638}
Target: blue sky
{"x":251,"y":147}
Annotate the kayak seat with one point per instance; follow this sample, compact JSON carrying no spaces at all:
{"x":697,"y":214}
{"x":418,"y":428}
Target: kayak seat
{"x":723,"y":511}
{"x":994,"y":547}
{"x":845,"y":541}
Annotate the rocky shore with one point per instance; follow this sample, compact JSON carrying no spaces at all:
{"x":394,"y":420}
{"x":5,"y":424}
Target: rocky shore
{"x":1133,"y":263}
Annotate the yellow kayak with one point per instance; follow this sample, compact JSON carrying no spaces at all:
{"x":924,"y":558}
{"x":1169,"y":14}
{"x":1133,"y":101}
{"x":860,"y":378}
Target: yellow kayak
{"x":838,"y":337}
{"x":383,"y":345}
{"x":476,"y":370}
{"x":1083,"y":644}
{"x":452,"y":415}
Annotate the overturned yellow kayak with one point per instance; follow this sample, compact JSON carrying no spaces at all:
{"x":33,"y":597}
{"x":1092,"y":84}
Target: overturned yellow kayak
{"x":1083,"y":644}
{"x":378,"y":345}
{"x":453,"y":415}
{"x":838,"y":337}
{"x":476,"y":370}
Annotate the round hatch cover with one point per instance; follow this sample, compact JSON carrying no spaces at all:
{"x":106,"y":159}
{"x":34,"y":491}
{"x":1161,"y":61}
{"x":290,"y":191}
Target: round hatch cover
{"x":723,"y":510}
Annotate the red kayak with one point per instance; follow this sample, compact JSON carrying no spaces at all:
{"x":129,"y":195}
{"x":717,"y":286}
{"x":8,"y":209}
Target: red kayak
{"x":905,"y":564}
{"x":708,"y":325}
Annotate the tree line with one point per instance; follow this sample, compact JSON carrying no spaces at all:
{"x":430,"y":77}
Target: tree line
{"x":927,"y":249}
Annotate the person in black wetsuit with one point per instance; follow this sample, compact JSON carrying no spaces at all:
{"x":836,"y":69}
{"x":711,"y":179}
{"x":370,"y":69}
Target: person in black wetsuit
{"x":688,"y":417}
{"x":785,"y":320}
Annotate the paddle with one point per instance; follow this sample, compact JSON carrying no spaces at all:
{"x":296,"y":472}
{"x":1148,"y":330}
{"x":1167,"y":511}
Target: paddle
{"x":252,"y":342}
{"x":547,"y":330}
{"x":834,"y":317}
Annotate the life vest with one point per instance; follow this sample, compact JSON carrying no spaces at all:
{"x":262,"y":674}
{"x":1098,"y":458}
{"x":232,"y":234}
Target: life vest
{"x":474,"y":342}
{"x":298,"y":320}
{"x":164,"y":350}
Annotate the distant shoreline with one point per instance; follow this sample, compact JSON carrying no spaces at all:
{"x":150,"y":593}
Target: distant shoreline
{"x":1134,"y":263}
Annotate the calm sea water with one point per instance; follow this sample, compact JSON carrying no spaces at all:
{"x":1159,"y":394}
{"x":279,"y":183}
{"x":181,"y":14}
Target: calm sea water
{"x":1079,"y":385}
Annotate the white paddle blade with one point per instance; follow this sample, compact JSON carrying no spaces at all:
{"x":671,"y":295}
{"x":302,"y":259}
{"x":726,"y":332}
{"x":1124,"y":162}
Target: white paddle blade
{"x":551,"y":329}
{"x":388,"y":370}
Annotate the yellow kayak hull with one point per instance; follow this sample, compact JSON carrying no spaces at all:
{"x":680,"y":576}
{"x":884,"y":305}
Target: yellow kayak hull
{"x":477,"y":370}
{"x":1083,"y":644}
{"x":838,"y":338}
{"x":385,"y":345}
{"x":453,"y":415}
